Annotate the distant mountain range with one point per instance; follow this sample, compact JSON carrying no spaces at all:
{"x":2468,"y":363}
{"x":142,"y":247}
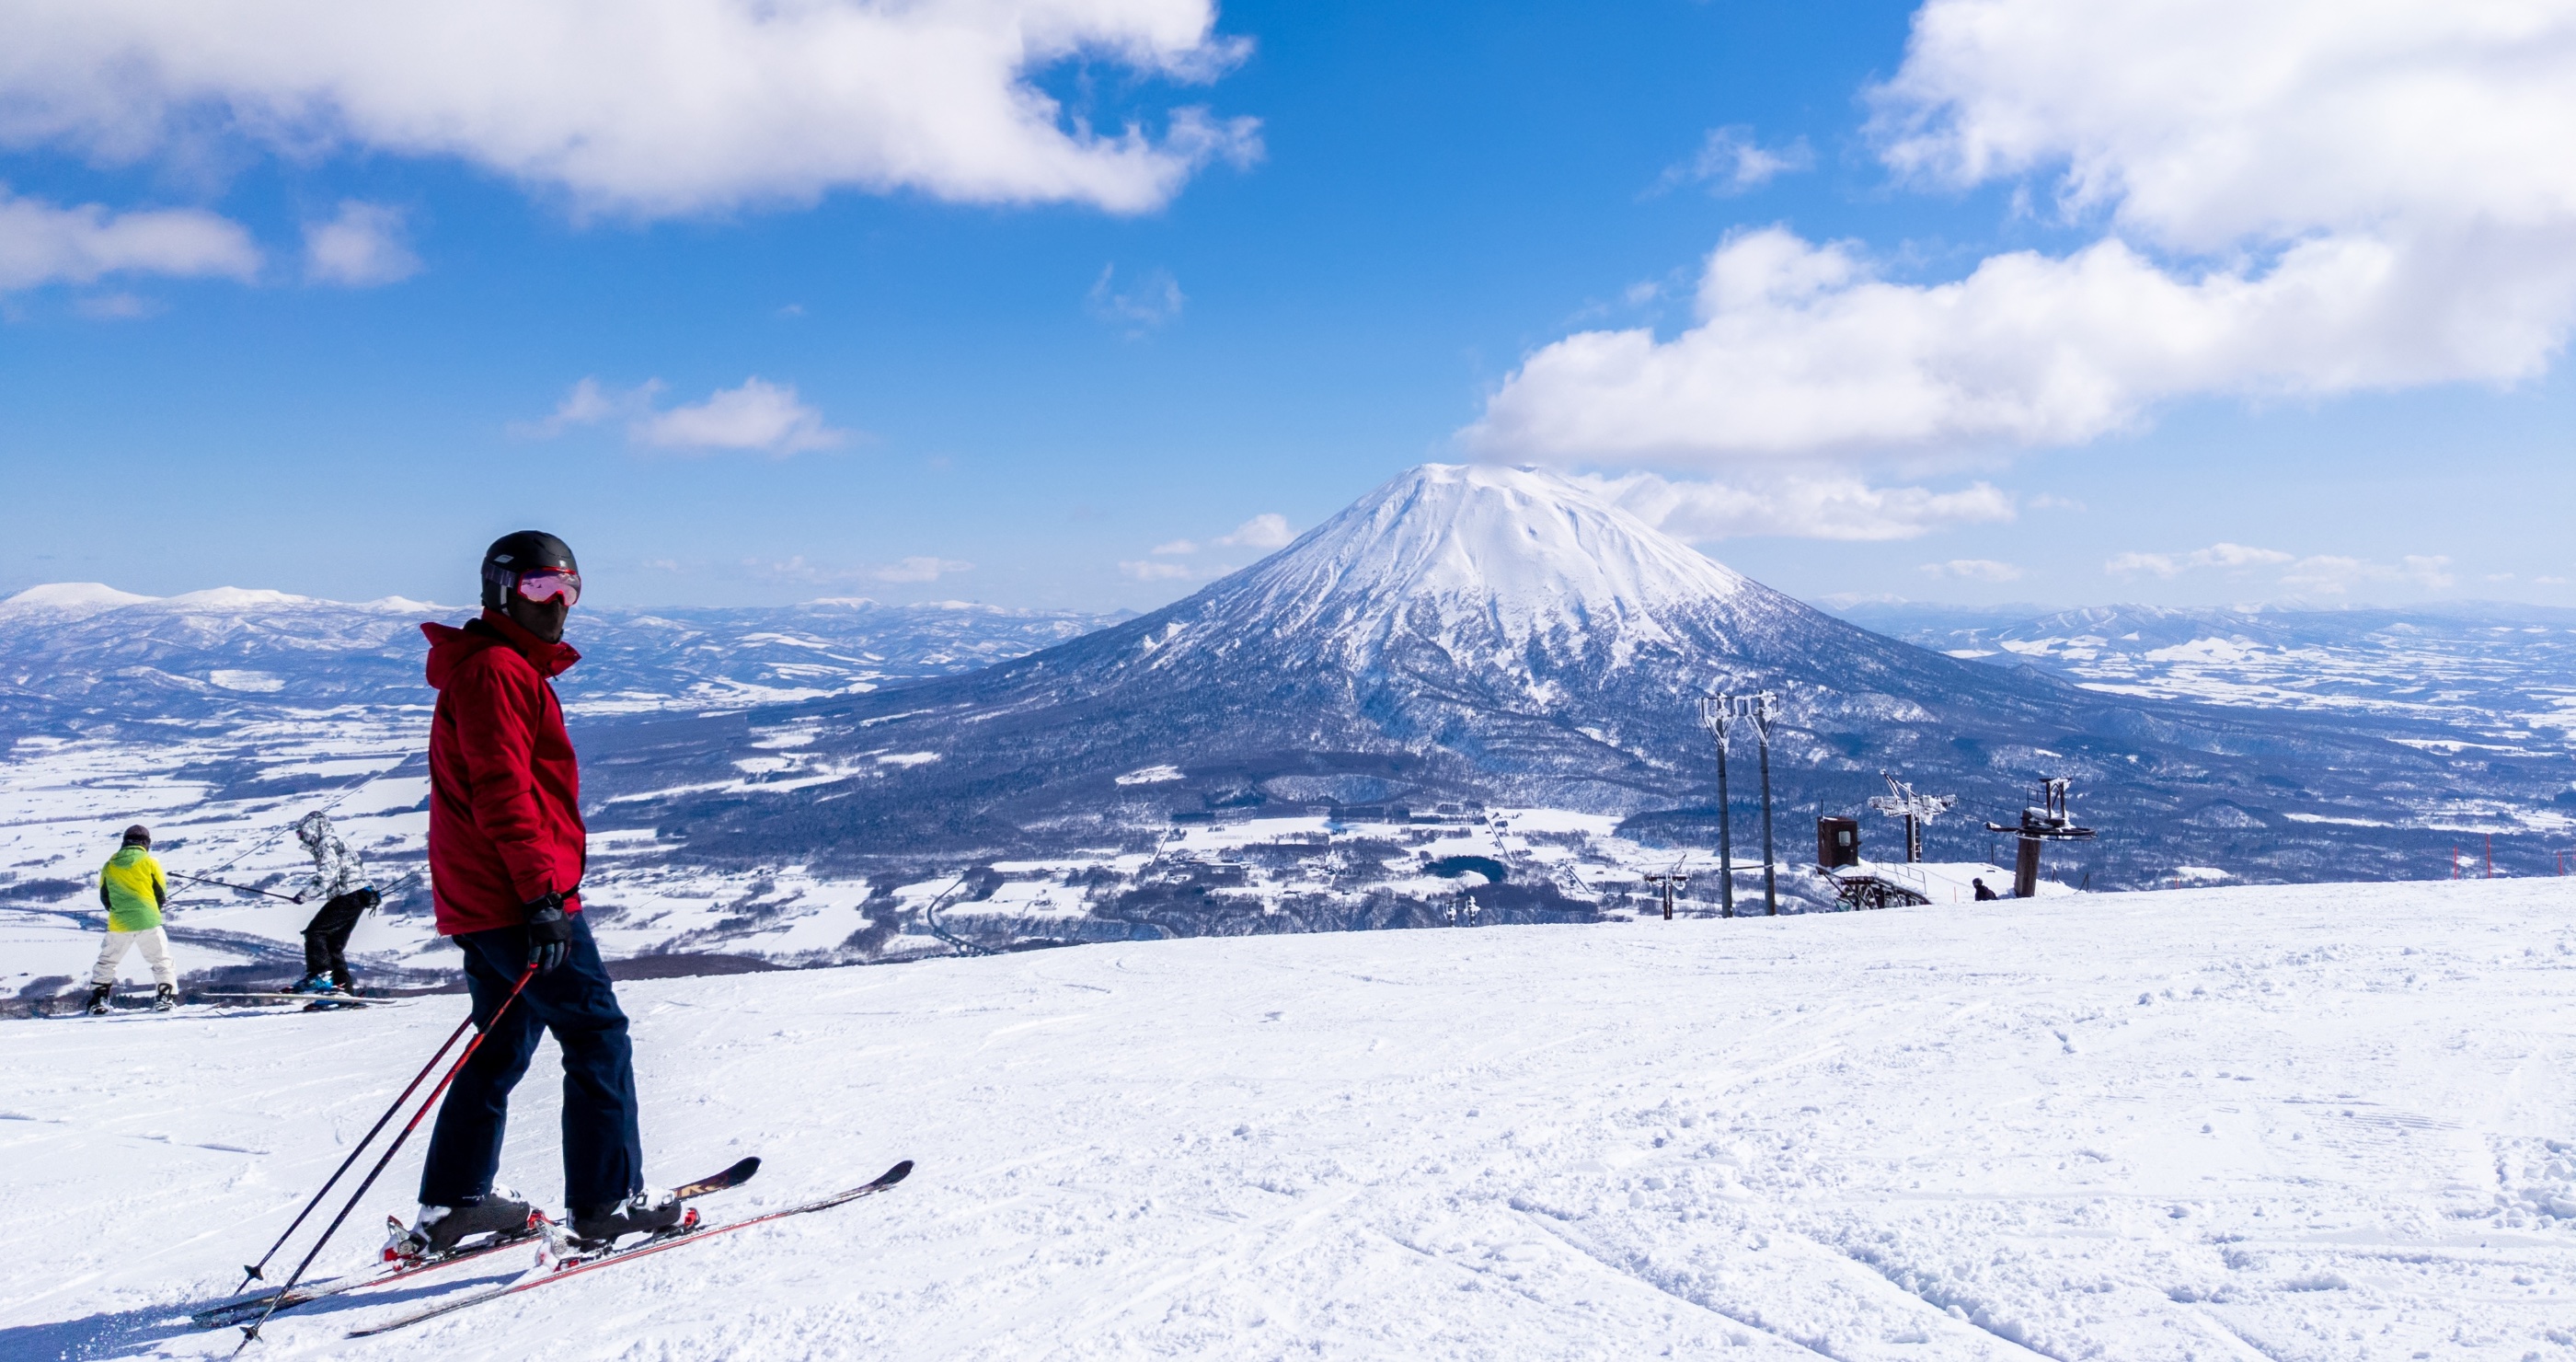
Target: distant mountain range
{"x":1484,"y":634}
{"x":2502,"y":676}
{"x":79,"y":653}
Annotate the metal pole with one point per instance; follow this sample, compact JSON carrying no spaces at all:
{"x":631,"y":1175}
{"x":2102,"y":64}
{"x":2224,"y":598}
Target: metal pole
{"x":1725,"y":834}
{"x":1770,"y":864}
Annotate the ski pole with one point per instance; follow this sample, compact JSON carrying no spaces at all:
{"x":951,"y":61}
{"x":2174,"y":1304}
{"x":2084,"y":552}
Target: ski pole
{"x":252,"y":1271}
{"x":388,"y":891}
{"x":250,"y":1331}
{"x":334,"y":803}
{"x":221,"y":884}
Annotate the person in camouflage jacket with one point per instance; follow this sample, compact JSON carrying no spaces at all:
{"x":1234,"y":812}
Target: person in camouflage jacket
{"x":340,"y":881}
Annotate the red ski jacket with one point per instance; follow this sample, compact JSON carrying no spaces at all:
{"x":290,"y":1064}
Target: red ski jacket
{"x":504,"y":786}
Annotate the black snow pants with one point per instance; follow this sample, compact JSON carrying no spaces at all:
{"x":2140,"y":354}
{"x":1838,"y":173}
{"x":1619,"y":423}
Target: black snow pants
{"x":603,"y":1148}
{"x":326,"y":937}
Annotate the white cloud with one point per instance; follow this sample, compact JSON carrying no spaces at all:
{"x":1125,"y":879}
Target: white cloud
{"x":1268,"y":530}
{"x":755,"y":416}
{"x":360,"y":248}
{"x":1153,"y":300}
{"x":1729,"y":161}
{"x":2330,"y":574}
{"x":921,"y":570}
{"x":758,"y":415}
{"x":674,"y":106}
{"x":44,"y":244}
{"x":2171,"y":565}
{"x":2300,"y":198}
{"x":1975,"y":570}
{"x":115,"y":307}
{"x":587,"y":404}
{"x":2204,"y":124}
{"x":1815,"y":506}
{"x":2327,"y":574}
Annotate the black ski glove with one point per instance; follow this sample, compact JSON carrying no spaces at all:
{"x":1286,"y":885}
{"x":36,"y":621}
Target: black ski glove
{"x":549,"y":932}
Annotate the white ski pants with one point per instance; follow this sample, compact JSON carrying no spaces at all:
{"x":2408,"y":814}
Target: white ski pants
{"x":156,"y":953}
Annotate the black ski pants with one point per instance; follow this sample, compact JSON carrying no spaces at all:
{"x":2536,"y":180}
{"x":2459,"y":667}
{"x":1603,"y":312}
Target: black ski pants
{"x":603,"y":1150}
{"x":326,"y":937}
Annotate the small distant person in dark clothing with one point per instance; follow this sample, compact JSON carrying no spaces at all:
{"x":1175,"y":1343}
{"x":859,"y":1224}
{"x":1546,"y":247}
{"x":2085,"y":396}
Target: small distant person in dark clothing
{"x":340,"y":881}
{"x":1985,"y":895}
{"x":506,"y":855}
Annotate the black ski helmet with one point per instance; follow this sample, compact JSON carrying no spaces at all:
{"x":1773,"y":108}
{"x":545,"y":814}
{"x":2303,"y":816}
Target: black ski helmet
{"x":518,"y":552}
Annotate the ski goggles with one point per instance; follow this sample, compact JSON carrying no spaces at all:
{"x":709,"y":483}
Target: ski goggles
{"x":546,"y":584}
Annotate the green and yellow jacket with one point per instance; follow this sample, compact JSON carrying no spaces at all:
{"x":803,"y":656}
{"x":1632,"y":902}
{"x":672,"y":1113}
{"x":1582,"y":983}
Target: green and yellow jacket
{"x":132,"y":890}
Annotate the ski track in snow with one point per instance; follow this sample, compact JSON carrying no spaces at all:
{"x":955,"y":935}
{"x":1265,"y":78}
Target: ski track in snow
{"x":2313,"y":1122}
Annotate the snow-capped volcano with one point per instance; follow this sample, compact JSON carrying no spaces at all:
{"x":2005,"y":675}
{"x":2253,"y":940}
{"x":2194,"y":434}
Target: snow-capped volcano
{"x":1477,"y":559}
{"x":1473,"y":633}
{"x":1514,"y":585}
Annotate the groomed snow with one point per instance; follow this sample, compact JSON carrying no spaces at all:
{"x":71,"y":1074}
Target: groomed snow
{"x":2285,"y":1123}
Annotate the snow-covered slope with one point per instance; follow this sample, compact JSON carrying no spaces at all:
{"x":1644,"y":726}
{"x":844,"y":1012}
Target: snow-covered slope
{"x":2300,"y":1124}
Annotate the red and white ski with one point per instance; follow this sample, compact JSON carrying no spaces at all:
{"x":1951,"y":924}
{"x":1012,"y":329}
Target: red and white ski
{"x":688,"y":1232}
{"x":396,"y":1269}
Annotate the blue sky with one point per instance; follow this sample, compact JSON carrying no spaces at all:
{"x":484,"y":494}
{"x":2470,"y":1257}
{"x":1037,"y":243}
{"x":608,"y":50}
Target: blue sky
{"x":330,"y":366}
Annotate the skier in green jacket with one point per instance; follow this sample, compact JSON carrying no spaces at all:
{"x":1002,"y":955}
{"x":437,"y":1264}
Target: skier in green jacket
{"x":132,"y":890}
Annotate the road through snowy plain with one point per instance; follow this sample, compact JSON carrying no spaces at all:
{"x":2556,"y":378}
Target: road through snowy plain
{"x":2272,"y":1123}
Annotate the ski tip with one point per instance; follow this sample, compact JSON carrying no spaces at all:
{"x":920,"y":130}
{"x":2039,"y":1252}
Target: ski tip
{"x":896,"y":1174}
{"x":741,"y":1172}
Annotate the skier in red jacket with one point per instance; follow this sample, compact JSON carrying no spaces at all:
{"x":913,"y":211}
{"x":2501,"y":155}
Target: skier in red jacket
{"x":506,"y":855}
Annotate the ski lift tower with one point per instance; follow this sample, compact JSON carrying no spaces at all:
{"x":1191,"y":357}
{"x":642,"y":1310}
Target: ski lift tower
{"x":1901,"y":801}
{"x":1667,"y":884}
{"x":1717,"y":713}
{"x":2045,"y":821}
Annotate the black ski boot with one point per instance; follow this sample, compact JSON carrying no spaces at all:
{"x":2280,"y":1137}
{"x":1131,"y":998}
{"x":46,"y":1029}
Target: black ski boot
{"x":97,"y":1006}
{"x":164,"y":997}
{"x":646,"y":1211}
{"x":441,"y":1228}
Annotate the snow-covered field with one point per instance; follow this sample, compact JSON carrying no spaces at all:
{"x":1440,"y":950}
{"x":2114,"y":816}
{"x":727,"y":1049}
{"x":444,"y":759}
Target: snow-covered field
{"x":2277,"y":1123}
